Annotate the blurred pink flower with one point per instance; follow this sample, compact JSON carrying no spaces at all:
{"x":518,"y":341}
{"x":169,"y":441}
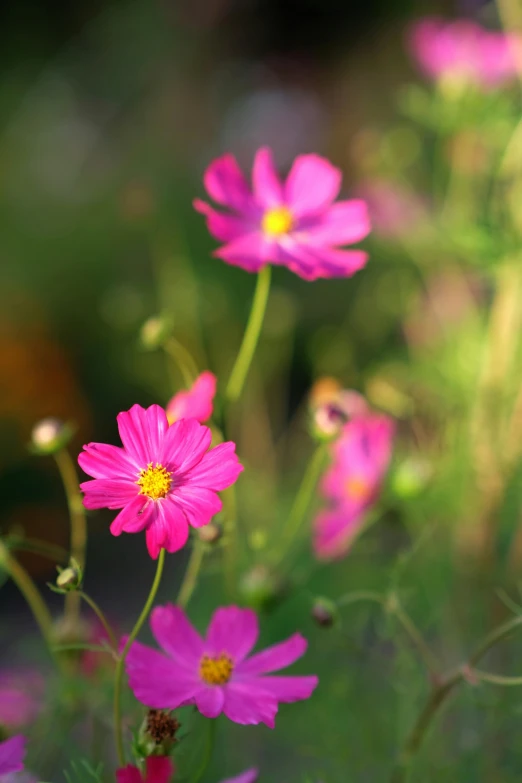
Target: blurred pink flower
{"x":394,"y":210}
{"x":361,"y":458}
{"x":164,"y":478}
{"x":197,"y":402}
{"x":293,"y":224}
{"x":214,"y":673}
{"x":21,"y":697}
{"x":248,"y":776}
{"x":464,"y":50}
{"x":12,"y":753}
{"x":158,"y":769}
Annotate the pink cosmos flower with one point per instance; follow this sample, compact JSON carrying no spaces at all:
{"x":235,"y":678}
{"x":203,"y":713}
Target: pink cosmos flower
{"x":21,"y":697}
{"x":197,"y":402}
{"x":158,"y":769}
{"x":293,"y":224}
{"x":214,"y":673}
{"x":463,"y":50}
{"x":164,"y":478}
{"x":12,"y":753}
{"x":361,"y":458}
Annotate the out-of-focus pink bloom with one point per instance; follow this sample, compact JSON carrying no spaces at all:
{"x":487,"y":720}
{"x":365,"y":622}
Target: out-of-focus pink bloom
{"x":394,"y":210}
{"x":464,"y":51}
{"x":12,"y":753}
{"x":352,"y":484}
{"x":158,"y":769}
{"x":214,"y":673}
{"x":21,"y":697}
{"x":197,"y":402}
{"x":332,"y":406}
{"x":164,"y":478}
{"x":248,"y":776}
{"x":293,"y":224}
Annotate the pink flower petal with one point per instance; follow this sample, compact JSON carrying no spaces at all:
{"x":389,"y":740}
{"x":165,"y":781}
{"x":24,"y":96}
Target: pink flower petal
{"x":102,"y":461}
{"x":156,"y":681}
{"x":218,"y":469}
{"x":168,"y":529}
{"x":209,"y":701}
{"x":133,"y":518}
{"x":312,"y":184}
{"x":184,"y":445}
{"x":177,"y":636}
{"x":12,"y":753}
{"x":141,"y":432}
{"x":225,"y":183}
{"x":266,"y":184}
{"x":225,"y":227}
{"x":108,"y":493}
{"x":250,"y":252}
{"x":311,"y":262}
{"x":335,"y":530}
{"x":198,"y":504}
{"x":273,"y":658}
{"x":248,"y":705}
{"x":159,"y":769}
{"x":248,"y":776}
{"x":288,"y":689}
{"x":341,"y":224}
{"x":234,"y":631}
{"x":197,"y":402}
{"x":128,"y":774}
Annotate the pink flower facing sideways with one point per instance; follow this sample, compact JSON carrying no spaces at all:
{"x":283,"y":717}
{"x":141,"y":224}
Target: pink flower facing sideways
{"x":465,"y":51}
{"x":214,"y":673}
{"x":361,"y":456}
{"x":12,"y":753}
{"x":196,"y":402}
{"x":164,"y":478}
{"x":293,"y":223}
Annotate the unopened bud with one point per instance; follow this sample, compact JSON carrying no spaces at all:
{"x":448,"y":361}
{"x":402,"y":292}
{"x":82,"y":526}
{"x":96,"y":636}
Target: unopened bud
{"x":331,"y":407}
{"x":154,"y":332}
{"x":210,"y":534}
{"x":50,"y":435}
{"x":157,"y":734}
{"x":325,"y":612}
{"x":69,"y":579}
{"x":262,"y":588}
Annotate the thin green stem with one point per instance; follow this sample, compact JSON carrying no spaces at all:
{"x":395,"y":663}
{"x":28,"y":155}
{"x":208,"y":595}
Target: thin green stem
{"x":96,"y":609}
{"x":190,"y":578}
{"x":118,"y":676}
{"x":495,"y":679}
{"x":78,"y":521}
{"x":431,"y":662}
{"x":31,"y":594}
{"x":183,"y":359}
{"x":84,"y":647}
{"x":231,"y":547}
{"x":361,"y":595}
{"x":251,"y":336}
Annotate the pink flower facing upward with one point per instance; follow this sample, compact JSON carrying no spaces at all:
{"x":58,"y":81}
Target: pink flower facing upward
{"x":197,"y":402}
{"x":158,"y":769}
{"x":464,"y":51}
{"x":12,"y":753}
{"x":293,"y":224}
{"x":214,"y":673}
{"x":164,"y":478}
{"x":361,"y":458}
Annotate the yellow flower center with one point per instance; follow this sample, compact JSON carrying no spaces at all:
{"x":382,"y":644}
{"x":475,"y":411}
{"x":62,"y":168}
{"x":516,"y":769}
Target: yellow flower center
{"x":216,"y":671}
{"x":357,"y":488}
{"x":277,"y":221}
{"x":154,"y":481}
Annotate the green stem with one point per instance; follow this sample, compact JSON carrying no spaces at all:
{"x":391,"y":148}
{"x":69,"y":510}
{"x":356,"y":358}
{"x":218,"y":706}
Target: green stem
{"x":183,"y":359}
{"x":495,"y":679}
{"x":31,"y":594}
{"x":191,"y":574}
{"x":208,"y":751}
{"x":361,"y":595}
{"x":415,"y":635}
{"x":302,"y":500}
{"x":96,"y":609}
{"x":251,"y":336}
{"x":118,"y":676}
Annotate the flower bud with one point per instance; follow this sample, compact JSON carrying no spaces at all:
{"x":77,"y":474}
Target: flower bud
{"x":262,"y":588}
{"x":331,"y":407}
{"x":50,"y":435}
{"x":325,"y":612}
{"x":154,"y":332}
{"x":210,"y":534}
{"x":69,"y":579}
{"x":157,"y":734}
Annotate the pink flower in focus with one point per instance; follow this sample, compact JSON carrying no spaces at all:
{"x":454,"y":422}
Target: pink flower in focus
{"x":293,"y":224}
{"x":248,"y":776}
{"x":465,"y":51}
{"x":158,"y":769}
{"x":164,"y":478}
{"x":21,"y":697}
{"x":361,"y":458}
{"x":214,"y":673}
{"x":196,"y":403}
{"x":12,"y":753}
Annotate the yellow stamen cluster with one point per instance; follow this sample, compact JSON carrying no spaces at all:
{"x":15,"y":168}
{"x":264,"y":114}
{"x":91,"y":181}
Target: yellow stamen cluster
{"x":357,"y":488}
{"x":277,"y":221}
{"x":155,"y":481}
{"x":216,"y":671}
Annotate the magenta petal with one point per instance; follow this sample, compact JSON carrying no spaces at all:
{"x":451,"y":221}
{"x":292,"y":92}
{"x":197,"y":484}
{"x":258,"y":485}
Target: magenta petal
{"x":209,"y":701}
{"x":159,"y":769}
{"x":108,"y":493}
{"x":234,"y":631}
{"x":248,"y":776}
{"x":225,"y":183}
{"x":341,"y":224}
{"x":266,"y":184}
{"x":288,"y":689}
{"x":102,"y":461}
{"x":156,"y":681}
{"x":196,"y":402}
{"x":12,"y":753}
{"x":218,"y":469}
{"x":177,"y":636}
{"x":198,"y":504}
{"x":128,"y":774}
{"x":250,"y":252}
{"x":335,"y":531}
{"x":249,"y":705}
{"x":224,"y":227}
{"x":312,"y":184}
{"x":184,"y":445}
{"x":168,"y":528}
{"x":311,"y":262}
{"x":141,"y":432}
{"x":273,"y":658}
{"x":133,"y":518}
